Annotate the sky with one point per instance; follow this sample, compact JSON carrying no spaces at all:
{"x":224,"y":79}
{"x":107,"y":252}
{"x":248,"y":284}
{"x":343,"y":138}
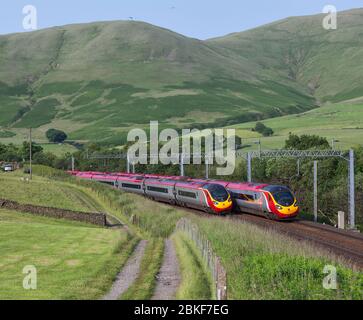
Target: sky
{"x":201,"y":19}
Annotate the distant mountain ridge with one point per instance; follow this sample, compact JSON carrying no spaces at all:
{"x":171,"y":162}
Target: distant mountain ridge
{"x":98,"y":80}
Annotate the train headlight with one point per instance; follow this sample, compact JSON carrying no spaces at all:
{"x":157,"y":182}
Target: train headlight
{"x":279,"y":207}
{"x":216,"y":203}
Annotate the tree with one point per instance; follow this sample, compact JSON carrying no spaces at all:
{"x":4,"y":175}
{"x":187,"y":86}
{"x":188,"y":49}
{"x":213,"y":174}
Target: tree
{"x":56,"y":136}
{"x":45,"y":159}
{"x":262,"y":129}
{"x":25,"y":150}
{"x":306,"y":142}
{"x":10,"y":152}
{"x":267,"y":132}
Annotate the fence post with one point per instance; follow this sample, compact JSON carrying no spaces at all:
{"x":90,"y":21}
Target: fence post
{"x":212,"y":261}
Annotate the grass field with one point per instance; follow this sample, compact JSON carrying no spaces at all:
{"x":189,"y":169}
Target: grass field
{"x":58,"y":149}
{"x":260,"y":264}
{"x":265,"y":265}
{"x":196,"y":283}
{"x":44,"y":192}
{"x":73,"y":260}
{"x":341,"y":122}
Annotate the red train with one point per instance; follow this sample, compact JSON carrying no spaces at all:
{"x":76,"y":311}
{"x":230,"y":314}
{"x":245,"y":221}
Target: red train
{"x":213,"y":196}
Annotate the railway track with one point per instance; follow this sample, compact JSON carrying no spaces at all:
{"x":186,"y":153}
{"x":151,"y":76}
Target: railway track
{"x":344,"y":244}
{"x":341,"y":243}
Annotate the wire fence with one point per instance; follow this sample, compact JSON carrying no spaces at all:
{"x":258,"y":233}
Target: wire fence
{"x":212,"y":261}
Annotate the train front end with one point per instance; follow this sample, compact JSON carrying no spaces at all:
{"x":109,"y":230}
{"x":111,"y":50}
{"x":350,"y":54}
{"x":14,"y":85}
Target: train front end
{"x":218,"y":198}
{"x":281,"y":202}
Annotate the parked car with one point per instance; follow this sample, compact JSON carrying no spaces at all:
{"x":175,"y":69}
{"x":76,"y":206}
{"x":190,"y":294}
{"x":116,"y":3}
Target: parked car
{"x":8,"y":167}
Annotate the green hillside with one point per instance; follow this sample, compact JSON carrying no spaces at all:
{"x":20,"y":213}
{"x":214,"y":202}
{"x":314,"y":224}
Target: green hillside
{"x":98,"y":80}
{"x":340,"y":122}
{"x":299,"y":49}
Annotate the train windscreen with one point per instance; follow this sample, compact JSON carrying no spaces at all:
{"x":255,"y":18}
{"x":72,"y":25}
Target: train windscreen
{"x":218,"y":192}
{"x":282,"y":195}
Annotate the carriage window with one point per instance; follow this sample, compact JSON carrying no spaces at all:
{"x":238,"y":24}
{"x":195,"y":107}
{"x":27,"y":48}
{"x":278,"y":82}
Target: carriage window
{"x":187,"y":194}
{"x":108,"y":182}
{"x":246,"y":197}
{"x":217,"y":191}
{"x":131,"y":186}
{"x":160,"y":190}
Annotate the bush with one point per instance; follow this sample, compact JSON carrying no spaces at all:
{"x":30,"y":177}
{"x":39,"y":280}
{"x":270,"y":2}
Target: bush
{"x":267,"y":132}
{"x":56,"y":136}
{"x":46,"y":159}
{"x":306,"y":142}
{"x":262,"y":129}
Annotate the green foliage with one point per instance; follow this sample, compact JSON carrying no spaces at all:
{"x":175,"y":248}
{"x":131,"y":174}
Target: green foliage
{"x":265,"y":265}
{"x":11,"y":108}
{"x":295,"y":278}
{"x":267,"y":132}
{"x":46,"y":159}
{"x":64,"y":88}
{"x":20,"y":113}
{"x":41,"y":113}
{"x":56,"y":136}
{"x":262,"y":129}
{"x":6,"y":134}
{"x":10,"y":153}
{"x":306,"y":142}
{"x":25,"y":150}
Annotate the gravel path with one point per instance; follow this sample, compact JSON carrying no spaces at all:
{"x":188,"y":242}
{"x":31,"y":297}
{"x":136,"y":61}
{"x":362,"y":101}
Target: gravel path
{"x":128,"y":274}
{"x":168,"y":279}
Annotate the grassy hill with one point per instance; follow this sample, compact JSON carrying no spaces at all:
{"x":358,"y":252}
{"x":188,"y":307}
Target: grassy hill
{"x":70,"y":257}
{"x":98,"y":80}
{"x":299,"y":49}
{"x":342,"y":122}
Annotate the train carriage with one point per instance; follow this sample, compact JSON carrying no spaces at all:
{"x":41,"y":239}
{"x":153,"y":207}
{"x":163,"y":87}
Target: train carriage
{"x":160,"y":190}
{"x":189,"y":194}
{"x":131,"y":184}
{"x":214,"y":196}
